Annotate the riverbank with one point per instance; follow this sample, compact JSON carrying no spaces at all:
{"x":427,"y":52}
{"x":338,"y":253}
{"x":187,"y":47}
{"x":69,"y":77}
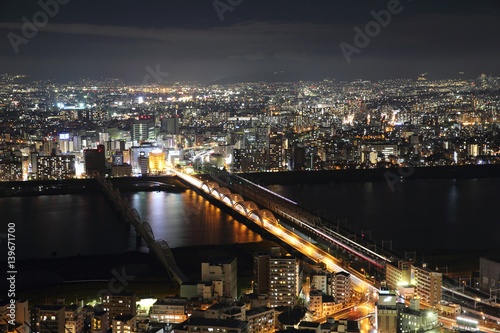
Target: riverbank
{"x":78,"y":186}
{"x":85,"y":277}
{"x":374,"y":175}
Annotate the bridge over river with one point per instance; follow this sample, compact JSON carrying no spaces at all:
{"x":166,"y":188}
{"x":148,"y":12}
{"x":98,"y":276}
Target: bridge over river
{"x":143,"y":229}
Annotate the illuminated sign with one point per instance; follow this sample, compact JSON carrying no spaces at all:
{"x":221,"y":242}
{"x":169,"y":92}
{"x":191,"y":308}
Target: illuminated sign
{"x":64,"y":136}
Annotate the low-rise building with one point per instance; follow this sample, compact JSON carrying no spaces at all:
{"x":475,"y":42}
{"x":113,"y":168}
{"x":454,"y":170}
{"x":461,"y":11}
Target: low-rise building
{"x":124,"y":324}
{"x":99,"y":322}
{"x":413,"y":319}
{"x":260,"y":320}
{"x":386,"y":312}
{"x":169,"y":310}
{"x":206,"y":325}
{"x":48,"y":318}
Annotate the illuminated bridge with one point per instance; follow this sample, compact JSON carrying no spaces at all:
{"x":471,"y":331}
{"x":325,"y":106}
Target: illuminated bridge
{"x":266,"y":219}
{"x":309,"y":222}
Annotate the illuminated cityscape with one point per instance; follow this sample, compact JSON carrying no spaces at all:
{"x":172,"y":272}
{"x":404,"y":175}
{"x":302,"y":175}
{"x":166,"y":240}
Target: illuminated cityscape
{"x":297,"y":126}
{"x":192,"y":131}
{"x":249,"y":167}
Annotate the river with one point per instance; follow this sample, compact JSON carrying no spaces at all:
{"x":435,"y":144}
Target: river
{"x":432,"y":214}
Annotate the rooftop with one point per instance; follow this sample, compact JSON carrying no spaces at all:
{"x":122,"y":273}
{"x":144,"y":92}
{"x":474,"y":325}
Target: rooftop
{"x":230,"y":323}
{"x":220,"y":260}
{"x":257,"y":310}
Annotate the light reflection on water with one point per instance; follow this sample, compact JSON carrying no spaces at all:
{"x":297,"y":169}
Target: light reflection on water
{"x":419,"y":214}
{"x":86,"y":224}
{"x":188,"y":219}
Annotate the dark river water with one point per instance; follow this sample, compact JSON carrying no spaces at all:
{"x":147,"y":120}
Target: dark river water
{"x":432,"y":214}
{"x":87,"y":224}
{"x":419,"y":214}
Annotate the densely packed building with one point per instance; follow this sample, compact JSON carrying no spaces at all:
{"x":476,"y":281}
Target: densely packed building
{"x":46,"y":127}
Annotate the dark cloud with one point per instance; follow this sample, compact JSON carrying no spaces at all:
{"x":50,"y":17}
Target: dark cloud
{"x":186,"y":38}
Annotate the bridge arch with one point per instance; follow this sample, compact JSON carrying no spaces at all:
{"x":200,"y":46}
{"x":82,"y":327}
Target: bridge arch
{"x":268,"y":216}
{"x":166,"y":251}
{"x":235,"y":198}
{"x":205,"y":187}
{"x":224,"y":190}
{"x":148,"y":229}
{"x":212,"y":186}
{"x":255,"y":214}
{"x":250,"y":205}
{"x":225,"y":195}
{"x":240,"y":207}
{"x":136,"y":215}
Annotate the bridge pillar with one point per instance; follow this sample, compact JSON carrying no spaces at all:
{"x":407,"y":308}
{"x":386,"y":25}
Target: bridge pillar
{"x":138,"y":241}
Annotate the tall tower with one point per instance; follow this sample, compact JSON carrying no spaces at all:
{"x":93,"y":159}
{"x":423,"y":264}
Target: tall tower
{"x":275,"y":151}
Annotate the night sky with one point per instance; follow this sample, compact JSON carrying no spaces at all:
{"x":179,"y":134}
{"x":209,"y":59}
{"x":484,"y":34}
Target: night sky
{"x":257,"y":40}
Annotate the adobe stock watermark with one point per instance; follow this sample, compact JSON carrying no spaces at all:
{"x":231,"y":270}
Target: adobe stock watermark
{"x":11,"y":272}
{"x":225,"y":6}
{"x":393,"y":179}
{"x":191,"y":213}
{"x":29,"y":29}
{"x":372,"y":29}
{"x":117,"y":283}
{"x":156,"y":74}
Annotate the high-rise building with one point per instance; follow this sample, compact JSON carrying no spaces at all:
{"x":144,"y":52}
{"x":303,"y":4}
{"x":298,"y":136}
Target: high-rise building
{"x":95,"y":160}
{"x":55,"y":167}
{"x":489,"y":275}
{"x":143,"y":129}
{"x":156,"y":162}
{"x":393,"y":276}
{"x":428,"y":285}
{"x":342,"y":287}
{"x":249,"y":160}
{"x":170,"y":125}
{"x":222,"y":269}
{"x":298,"y":158}
{"x":285,"y":280}
{"x":137,"y":152}
{"x":117,"y":159}
{"x":275,"y":158}
{"x":119,"y":304}
{"x":261,"y":272}
{"x":406,"y":267}
{"x":280,"y":277}
{"x":11,"y":171}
